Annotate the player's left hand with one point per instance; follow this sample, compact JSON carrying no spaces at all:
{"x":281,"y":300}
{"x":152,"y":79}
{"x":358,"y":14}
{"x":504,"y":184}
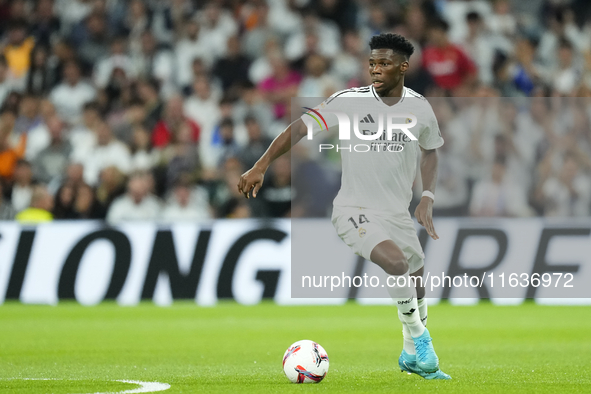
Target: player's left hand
{"x":424,"y":215}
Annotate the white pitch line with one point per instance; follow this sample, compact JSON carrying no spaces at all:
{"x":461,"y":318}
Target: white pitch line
{"x":145,"y":387}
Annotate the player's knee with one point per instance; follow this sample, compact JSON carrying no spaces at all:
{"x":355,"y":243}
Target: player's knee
{"x":420,"y":290}
{"x":396,"y":266}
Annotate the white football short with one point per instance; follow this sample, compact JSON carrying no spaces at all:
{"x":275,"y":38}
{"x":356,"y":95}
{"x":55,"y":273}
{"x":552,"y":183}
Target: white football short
{"x":363,"y":229}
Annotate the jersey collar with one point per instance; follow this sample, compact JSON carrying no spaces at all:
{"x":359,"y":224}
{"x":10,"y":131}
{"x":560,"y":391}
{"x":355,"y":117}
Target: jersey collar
{"x":375,"y":94}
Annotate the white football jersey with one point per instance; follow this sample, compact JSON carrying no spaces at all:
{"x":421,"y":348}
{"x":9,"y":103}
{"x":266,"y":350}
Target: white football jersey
{"x":377,"y":174}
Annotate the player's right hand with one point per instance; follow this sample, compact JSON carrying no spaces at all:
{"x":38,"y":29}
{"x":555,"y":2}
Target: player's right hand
{"x":251,"y":180}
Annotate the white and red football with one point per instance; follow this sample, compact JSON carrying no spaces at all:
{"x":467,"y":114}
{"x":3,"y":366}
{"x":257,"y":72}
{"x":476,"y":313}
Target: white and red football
{"x":305,"y":362}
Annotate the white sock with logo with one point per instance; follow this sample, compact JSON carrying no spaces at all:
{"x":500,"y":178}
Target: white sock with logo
{"x":422,"y":303}
{"x":405,"y":298}
{"x":407,"y":343}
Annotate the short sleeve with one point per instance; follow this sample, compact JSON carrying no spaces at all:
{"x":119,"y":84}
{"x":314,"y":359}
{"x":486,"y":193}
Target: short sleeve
{"x":430,"y":136}
{"x":320,"y":116}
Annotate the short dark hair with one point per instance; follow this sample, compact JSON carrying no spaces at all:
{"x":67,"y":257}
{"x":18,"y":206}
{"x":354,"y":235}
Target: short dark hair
{"x":473,"y":17}
{"x":92,"y":106}
{"x":226,"y":122}
{"x":438,"y":24}
{"x":395,"y":42}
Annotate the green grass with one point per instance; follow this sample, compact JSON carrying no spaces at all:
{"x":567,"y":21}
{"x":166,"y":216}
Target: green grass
{"x":236,"y":349}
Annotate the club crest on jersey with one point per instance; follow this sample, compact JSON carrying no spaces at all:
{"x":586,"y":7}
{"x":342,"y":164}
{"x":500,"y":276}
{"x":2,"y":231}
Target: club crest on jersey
{"x":362,"y":232}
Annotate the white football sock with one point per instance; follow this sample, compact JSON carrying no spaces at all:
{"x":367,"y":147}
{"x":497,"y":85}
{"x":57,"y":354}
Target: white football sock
{"x":404,"y":296}
{"x":407,"y":343}
{"x":422,"y":303}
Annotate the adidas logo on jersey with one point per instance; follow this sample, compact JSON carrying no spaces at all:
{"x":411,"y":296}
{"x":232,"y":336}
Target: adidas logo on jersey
{"x":367,"y":119}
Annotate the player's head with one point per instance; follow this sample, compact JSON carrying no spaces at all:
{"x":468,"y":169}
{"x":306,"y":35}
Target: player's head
{"x":388,"y":61}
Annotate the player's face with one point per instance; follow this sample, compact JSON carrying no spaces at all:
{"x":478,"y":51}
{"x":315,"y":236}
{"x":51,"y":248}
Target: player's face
{"x":386,"y":69}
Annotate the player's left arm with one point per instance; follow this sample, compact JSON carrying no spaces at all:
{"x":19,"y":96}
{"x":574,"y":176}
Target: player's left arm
{"x":424,"y":211}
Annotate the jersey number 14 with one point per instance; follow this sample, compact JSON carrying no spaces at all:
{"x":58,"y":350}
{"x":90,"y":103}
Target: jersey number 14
{"x":362,"y":219}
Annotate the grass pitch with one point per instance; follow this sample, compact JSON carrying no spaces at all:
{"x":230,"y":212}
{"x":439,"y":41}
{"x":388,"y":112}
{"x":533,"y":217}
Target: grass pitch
{"x":238,"y":349}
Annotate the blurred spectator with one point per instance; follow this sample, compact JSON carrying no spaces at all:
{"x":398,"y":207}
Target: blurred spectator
{"x":217,"y":26}
{"x":317,"y":81}
{"x":498,"y":196}
{"x":74,"y":174}
{"x":41,"y":77}
{"x":137,"y":20}
{"x":168,"y":18}
{"x":480,"y":46}
{"x":147,"y":91}
{"x":232,"y":69}
{"x":111,"y":186}
{"x":91,"y":39}
{"x":257,"y":143}
{"x":234,"y":208}
{"x":193,"y":45}
{"x":202,"y":107}
{"x":455,"y":13}
{"x":258,"y":30}
{"x":345,"y":65}
{"x":137,"y":203}
{"x":82,"y":137}
{"x":173,"y":118}
{"x":260,"y":68}
{"x":566,"y":75}
{"x":108,"y":151}
{"x":251,"y":103}
{"x":118,"y":60}
{"x":85,"y":204}
{"x":142,"y":157}
{"x":452,"y":183}
{"x":277,"y":191}
{"x":342,"y":12}
{"x":150,"y":61}
{"x":224,"y":142}
{"x":12,"y":101}
{"x":7,"y":212}
{"x":70,"y":96}
{"x":449,"y":66}
{"x":51,"y":163}
{"x":281,"y":86}
{"x":180,"y":157}
{"x":313,"y":189}
{"x":46,"y":24}
{"x":226,"y":200}
{"x":22,"y":187}
{"x":29,"y":116}
{"x":40,"y":208}
{"x":72,"y":12}
{"x":501,"y":21}
{"x":18,"y":51}
{"x":568,"y":193}
{"x":6,"y":82}
{"x":417,"y":77}
{"x":307,"y":38}
{"x":186,"y":204}
{"x":38,"y":135}
{"x":64,"y":202}
{"x":12,"y":146}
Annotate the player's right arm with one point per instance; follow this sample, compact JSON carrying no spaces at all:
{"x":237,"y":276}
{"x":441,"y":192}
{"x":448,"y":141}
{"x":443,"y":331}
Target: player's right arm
{"x":252,"y":180}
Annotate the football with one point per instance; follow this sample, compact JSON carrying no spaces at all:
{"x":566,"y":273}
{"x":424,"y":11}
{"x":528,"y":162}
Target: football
{"x":305,"y":362}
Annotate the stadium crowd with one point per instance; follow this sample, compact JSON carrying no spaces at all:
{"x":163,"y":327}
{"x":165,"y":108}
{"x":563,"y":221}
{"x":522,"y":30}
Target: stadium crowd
{"x":151,"y":109}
